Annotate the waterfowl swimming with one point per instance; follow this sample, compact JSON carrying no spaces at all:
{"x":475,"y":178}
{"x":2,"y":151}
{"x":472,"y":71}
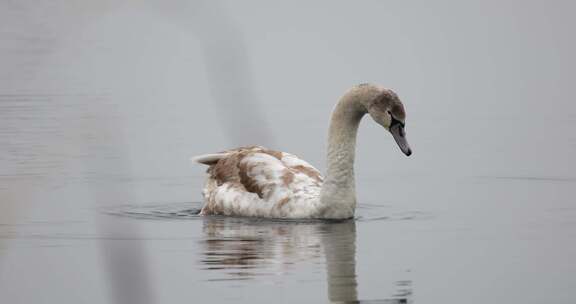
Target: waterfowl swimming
{"x":255,"y":181}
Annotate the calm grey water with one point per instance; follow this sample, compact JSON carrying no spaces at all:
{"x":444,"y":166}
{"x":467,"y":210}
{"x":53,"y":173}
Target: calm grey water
{"x":103,"y":102}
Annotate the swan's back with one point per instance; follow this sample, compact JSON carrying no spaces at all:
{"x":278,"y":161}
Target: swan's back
{"x":254,"y":181}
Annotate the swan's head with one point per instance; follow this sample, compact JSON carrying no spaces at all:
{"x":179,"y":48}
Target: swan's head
{"x":388,"y":111}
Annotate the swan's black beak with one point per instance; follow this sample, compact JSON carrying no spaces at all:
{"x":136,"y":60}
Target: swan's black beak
{"x":397,"y":130}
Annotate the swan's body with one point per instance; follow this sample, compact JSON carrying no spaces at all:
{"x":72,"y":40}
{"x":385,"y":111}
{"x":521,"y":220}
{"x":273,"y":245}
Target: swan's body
{"x":255,"y":181}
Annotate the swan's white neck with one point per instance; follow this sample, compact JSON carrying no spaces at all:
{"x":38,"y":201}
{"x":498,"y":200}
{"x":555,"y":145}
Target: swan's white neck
{"x":338,"y":195}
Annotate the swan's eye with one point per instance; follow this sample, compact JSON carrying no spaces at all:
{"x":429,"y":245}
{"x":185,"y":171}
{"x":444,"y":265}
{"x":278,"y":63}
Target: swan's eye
{"x":395,"y":121}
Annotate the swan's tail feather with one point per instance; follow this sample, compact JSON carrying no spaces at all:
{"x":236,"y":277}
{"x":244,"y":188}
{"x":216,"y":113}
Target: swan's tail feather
{"x":208,"y":159}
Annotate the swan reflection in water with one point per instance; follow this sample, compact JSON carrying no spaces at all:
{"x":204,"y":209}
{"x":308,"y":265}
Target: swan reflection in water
{"x":247,"y":248}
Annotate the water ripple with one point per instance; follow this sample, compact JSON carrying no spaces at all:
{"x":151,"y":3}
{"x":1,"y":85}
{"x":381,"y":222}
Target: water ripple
{"x":191,"y":210}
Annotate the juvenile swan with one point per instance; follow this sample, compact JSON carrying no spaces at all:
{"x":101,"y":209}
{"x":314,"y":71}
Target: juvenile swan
{"x":255,"y":181}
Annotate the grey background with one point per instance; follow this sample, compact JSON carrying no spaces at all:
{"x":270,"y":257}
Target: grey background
{"x":103,"y":102}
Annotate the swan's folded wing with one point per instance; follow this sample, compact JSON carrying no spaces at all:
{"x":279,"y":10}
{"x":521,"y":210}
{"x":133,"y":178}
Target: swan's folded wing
{"x":299,"y":165}
{"x":259,"y":182}
{"x":244,"y":183}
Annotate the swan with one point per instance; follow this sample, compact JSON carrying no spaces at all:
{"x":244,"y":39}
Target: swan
{"x":258,"y":182}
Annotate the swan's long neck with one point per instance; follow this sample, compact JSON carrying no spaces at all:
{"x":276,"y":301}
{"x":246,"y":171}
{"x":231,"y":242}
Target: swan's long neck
{"x":338,"y":195}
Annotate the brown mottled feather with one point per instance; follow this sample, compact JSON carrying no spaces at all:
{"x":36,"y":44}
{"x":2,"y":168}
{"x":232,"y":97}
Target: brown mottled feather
{"x":283,"y":202}
{"x":235,"y":172}
{"x":226,"y":169}
{"x":287,"y":177}
{"x":231,"y":168}
{"x":249,"y":183}
{"x":308,"y":171}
